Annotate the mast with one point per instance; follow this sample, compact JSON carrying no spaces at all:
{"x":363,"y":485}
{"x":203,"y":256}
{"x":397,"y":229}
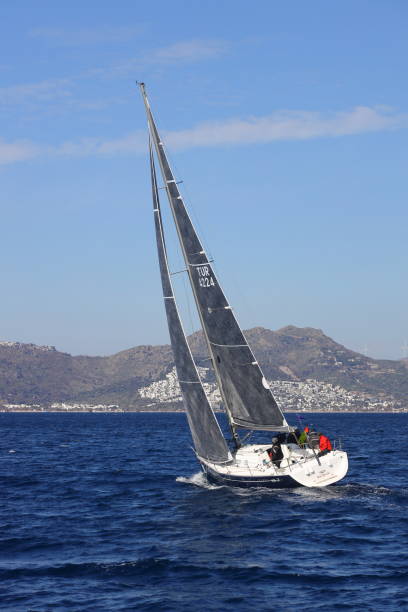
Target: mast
{"x":246,"y":394}
{"x":208,"y":439}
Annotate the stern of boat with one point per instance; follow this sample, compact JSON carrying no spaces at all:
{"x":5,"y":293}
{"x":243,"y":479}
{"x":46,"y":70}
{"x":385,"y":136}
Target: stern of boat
{"x":321,"y":471}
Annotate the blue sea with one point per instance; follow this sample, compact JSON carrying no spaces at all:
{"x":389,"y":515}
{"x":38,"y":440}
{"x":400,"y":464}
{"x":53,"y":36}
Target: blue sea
{"x":109,"y":512}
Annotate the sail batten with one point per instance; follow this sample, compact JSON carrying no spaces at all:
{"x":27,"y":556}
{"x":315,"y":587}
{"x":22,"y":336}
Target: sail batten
{"x":249,"y":402}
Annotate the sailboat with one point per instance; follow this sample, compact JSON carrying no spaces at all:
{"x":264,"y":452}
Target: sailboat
{"x":246,"y":396}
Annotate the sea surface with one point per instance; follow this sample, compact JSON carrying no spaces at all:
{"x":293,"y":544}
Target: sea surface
{"x":109,"y":512}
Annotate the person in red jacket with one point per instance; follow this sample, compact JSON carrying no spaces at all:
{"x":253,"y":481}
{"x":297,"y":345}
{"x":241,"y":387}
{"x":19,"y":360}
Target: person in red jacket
{"x":324,"y":445}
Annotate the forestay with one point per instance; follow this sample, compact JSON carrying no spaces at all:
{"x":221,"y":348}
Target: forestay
{"x":245,"y":391}
{"x":207,"y":436}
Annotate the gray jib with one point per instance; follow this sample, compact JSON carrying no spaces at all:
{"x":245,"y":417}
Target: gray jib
{"x":243,"y":386}
{"x":207,"y":436}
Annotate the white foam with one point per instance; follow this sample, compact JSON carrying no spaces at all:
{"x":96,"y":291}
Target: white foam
{"x":199,"y":480}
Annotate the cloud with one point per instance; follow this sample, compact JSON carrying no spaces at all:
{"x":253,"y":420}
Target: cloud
{"x":18,"y":151}
{"x":178,"y":53}
{"x":62,"y":88}
{"x":12,"y":152}
{"x":282,"y":125}
{"x":86,"y":36}
{"x":135,"y":142}
{"x":192,"y":50}
{"x":42,"y":91}
{"x":288,"y":125}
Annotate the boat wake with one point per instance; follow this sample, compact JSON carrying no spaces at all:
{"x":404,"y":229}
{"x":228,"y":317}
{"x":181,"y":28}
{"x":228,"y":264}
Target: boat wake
{"x":199,"y":480}
{"x":369,"y":494}
{"x":362,"y":490}
{"x":318,"y":494}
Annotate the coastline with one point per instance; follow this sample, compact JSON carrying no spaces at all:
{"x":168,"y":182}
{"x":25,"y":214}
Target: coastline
{"x":2,"y":411}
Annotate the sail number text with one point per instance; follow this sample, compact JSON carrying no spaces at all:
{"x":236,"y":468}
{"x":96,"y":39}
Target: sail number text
{"x":204,"y":277}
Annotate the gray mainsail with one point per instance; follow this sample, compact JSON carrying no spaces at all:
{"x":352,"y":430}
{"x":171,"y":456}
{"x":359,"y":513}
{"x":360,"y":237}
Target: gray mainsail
{"x":205,"y":430}
{"x":248,"y":400}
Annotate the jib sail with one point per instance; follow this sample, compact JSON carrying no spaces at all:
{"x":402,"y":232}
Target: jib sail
{"x":205,"y":430}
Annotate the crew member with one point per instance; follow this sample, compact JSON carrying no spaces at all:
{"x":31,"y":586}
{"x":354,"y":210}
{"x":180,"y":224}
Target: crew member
{"x":293,"y":437}
{"x":324,"y":445}
{"x":304,"y":435}
{"x":313,"y":439}
{"x":275,"y":452}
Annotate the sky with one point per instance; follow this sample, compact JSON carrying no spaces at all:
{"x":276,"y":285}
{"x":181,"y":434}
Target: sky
{"x":286,"y":121}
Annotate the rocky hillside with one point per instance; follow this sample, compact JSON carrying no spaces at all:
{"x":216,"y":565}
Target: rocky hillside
{"x":298,"y":354}
{"x":32,"y":374}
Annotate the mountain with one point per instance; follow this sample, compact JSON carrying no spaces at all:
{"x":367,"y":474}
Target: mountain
{"x":298,"y":354}
{"x":41,"y":375}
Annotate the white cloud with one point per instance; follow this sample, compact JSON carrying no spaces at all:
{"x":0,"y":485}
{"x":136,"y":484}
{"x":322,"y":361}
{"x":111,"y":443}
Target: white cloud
{"x":282,"y":125}
{"x":287,"y":125}
{"x":12,"y":152}
{"x":20,"y":150}
{"x":192,"y":50}
{"x":178,"y":53}
{"x":42,"y":91}
{"x":86,"y":36}
{"x":135,"y":142}
{"x":62,"y":88}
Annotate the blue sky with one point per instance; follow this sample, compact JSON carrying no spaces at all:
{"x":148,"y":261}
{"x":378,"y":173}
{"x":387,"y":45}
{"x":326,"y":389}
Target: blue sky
{"x":287,"y":123}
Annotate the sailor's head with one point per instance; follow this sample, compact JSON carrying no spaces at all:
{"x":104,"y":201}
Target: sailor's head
{"x":274,"y":440}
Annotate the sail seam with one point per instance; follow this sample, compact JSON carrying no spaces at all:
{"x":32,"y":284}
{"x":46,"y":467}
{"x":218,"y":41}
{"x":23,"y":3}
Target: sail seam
{"x":203,"y":263}
{"x":229,"y":345}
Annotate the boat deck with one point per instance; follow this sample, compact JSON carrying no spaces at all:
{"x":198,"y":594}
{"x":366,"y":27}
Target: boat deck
{"x":303,"y":465}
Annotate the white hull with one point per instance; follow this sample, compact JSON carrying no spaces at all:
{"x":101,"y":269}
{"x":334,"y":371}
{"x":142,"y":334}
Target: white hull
{"x":299,"y":467}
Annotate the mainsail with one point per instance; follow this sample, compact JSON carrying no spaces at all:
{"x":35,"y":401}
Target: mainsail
{"x":248,"y":400}
{"x":205,"y":430}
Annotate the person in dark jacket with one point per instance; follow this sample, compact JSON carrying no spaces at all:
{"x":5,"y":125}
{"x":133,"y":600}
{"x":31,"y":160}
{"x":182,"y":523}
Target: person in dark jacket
{"x":324,"y":445}
{"x":275,"y":452}
{"x":293,"y":437}
{"x":313,"y":439}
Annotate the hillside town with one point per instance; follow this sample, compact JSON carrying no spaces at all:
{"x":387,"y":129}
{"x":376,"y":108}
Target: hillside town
{"x":308,"y":396}
{"x":164,"y":395}
{"x":27,"y":346}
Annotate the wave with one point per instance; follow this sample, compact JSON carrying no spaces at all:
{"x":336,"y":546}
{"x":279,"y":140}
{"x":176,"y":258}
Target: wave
{"x":153,"y":566}
{"x":355,"y":489}
{"x":320,"y":495}
{"x":199,"y":480}
{"x":161,"y":537}
{"x":11,"y":481}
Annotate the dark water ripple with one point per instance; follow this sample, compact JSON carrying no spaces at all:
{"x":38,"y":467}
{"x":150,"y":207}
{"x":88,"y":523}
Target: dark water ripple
{"x":102,"y":513}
